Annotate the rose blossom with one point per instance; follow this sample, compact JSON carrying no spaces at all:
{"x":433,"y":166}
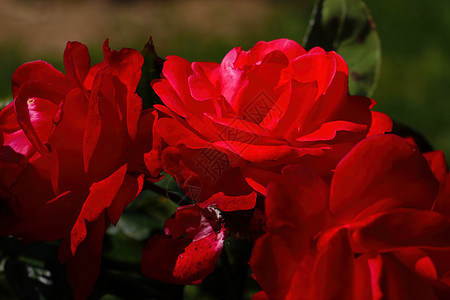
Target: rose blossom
{"x":189,"y":248}
{"x":74,"y":153}
{"x":231,"y":127}
{"x":379,"y":231}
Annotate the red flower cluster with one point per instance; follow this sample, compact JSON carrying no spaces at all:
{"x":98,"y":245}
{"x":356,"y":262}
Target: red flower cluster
{"x":350,"y":212}
{"x":380,"y":231}
{"x":74,"y":153}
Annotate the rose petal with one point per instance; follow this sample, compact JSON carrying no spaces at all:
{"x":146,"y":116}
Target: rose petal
{"x":401,"y":283}
{"x":392,"y":168}
{"x":39,"y":71}
{"x":189,"y":259}
{"x":36,"y":115}
{"x":129,"y":190}
{"x":381,"y":124}
{"x":273,"y":265}
{"x":84,"y":267}
{"x":403,"y":228}
{"x":77,"y":62}
{"x":328,"y":130}
{"x":231,"y":79}
{"x":201,"y":86}
{"x":259,"y":51}
{"x":101,"y":195}
{"x":332,"y":275}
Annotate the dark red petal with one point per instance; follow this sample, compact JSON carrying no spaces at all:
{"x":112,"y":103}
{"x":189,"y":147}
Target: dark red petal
{"x":144,"y":155}
{"x":438,"y":165}
{"x":110,"y":148}
{"x":424,"y":261}
{"x":332,"y":275}
{"x":208,"y":177}
{"x":381,"y":123}
{"x":295,"y":213}
{"x":190,"y":250}
{"x":130,"y":189}
{"x":273,"y":264}
{"x":58,"y":213}
{"x":101,"y":195}
{"x":93,"y":123}
{"x":401,"y":283}
{"x":381,"y":167}
{"x":133,"y":113}
{"x":230,"y":203}
{"x":77,"y":62}
{"x":259,"y":179}
{"x":39,"y":71}
{"x":356,"y":109}
{"x":83,"y":268}
{"x":305,"y":197}
{"x":125,"y":64}
{"x":368,"y":275}
{"x":403,"y":228}
{"x":181,"y":261}
{"x":442,"y":203}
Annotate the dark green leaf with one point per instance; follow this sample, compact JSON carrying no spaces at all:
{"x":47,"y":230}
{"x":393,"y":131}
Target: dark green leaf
{"x":150,"y":70}
{"x":347,"y":27}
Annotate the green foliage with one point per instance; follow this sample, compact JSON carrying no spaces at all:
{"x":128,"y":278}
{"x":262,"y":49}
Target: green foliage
{"x":346,"y":27}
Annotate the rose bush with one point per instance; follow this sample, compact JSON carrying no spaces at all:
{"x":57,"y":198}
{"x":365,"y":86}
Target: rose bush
{"x":75,"y":149}
{"x":381,"y":230}
{"x":231,"y":127}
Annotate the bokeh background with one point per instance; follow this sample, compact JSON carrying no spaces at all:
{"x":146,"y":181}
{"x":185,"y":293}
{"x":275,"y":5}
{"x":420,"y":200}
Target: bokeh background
{"x":415,"y":36}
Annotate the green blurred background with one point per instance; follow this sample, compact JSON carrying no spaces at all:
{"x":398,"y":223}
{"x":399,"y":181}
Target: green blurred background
{"x":415,"y":40}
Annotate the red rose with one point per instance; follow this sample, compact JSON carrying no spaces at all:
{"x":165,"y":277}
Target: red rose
{"x":376,"y":233}
{"x":232,"y":126}
{"x":72,"y":156}
{"x":189,"y":249}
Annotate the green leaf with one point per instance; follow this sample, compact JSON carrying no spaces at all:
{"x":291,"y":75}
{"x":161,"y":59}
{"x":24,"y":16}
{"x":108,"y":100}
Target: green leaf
{"x":150,"y":70}
{"x":346,"y":26}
